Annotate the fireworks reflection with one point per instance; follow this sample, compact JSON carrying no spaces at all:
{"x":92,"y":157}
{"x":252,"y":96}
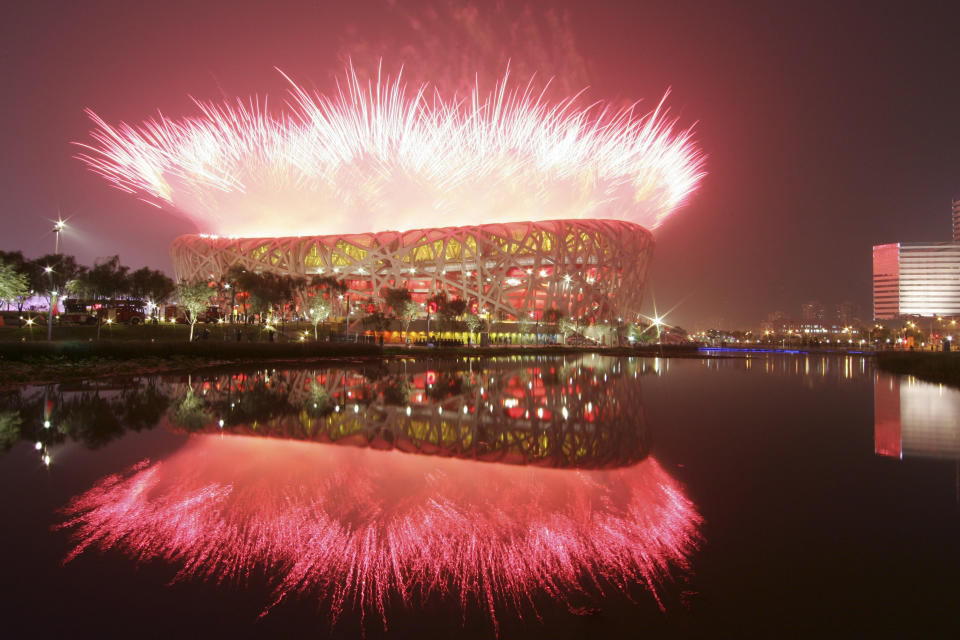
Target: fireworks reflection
{"x":412,"y":509}
{"x":362,"y":530}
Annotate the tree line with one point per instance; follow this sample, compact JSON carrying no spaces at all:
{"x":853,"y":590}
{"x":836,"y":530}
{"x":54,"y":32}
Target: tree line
{"x":22,"y":278}
{"x":250,"y":295}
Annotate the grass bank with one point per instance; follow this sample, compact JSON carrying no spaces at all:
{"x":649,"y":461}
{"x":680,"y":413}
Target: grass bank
{"x":162,"y":332}
{"x":925,"y":365}
{"x":40,"y":362}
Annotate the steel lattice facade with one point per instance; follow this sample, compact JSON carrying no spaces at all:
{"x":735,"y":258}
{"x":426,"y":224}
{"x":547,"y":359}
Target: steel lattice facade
{"x":585,"y":268}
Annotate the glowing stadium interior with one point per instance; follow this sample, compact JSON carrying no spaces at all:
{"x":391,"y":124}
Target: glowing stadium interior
{"x":592,"y":269}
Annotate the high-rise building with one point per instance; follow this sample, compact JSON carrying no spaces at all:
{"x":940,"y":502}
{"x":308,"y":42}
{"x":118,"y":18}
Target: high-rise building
{"x":917,"y":278}
{"x":848,"y":314}
{"x":956,"y":219}
{"x":812,"y":312}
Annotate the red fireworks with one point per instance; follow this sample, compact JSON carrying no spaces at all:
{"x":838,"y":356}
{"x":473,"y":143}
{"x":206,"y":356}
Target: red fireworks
{"x":360,"y":529}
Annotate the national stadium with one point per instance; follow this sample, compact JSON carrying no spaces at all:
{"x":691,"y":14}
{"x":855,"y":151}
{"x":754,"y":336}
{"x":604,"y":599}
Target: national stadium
{"x":506,"y":201}
{"x":583,"y":268}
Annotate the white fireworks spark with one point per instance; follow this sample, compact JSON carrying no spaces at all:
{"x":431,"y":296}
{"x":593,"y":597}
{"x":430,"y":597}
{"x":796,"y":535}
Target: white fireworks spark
{"x":376,"y":156}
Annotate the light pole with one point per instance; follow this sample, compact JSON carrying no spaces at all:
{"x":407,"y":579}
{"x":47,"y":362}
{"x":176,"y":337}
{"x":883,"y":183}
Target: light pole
{"x":428,"y":320}
{"x":233,"y":301}
{"x":53,"y":301}
{"x":58,"y":226}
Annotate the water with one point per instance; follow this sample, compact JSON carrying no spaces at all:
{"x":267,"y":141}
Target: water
{"x":541,"y":497}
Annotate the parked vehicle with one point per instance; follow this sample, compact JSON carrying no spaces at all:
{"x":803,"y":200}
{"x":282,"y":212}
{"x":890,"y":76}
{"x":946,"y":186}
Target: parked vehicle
{"x":77,"y":312}
{"x":212,"y":315}
{"x":173,"y":313}
{"x":22,"y":318}
{"x":579,"y":340}
{"x":120,"y":311}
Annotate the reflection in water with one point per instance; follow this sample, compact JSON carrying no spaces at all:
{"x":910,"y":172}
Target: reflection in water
{"x":583,"y":413}
{"x":262,"y":487}
{"x":94,"y":412}
{"x":915,"y":419}
{"x":359,"y":529}
{"x":816,"y":369}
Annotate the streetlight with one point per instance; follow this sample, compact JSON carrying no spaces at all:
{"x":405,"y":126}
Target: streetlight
{"x":657,"y":322}
{"x":346,"y":330}
{"x":58,"y":226}
{"x":53,"y":301}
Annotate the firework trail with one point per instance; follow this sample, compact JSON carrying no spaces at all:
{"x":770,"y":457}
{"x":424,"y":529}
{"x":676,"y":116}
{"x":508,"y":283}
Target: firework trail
{"x":360,"y":529}
{"x":376,"y":156}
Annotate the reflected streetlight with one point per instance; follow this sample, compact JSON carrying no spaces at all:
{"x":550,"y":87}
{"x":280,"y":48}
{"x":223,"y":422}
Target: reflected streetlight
{"x":53,"y":302}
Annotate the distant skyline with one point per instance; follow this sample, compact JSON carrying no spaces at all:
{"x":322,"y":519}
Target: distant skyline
{"x":829,"y":127}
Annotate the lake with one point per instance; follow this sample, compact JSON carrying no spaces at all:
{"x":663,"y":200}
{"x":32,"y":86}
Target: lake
{"x":546,"y":497}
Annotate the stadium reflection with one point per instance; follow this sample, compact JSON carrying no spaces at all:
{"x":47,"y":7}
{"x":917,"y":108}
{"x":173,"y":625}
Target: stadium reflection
{"x":582,"y":413}
{"x":262,"y":487}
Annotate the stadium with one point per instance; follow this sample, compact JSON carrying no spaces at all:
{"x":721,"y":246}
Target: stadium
{"x":583,"y":268}
{"x":533,"y":206}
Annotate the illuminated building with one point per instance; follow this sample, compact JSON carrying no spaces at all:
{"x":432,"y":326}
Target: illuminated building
{"x":921,"y":278}
{"x":956,"y":219}
{"x":812,"y":312}
{"x":584,"y":268}
{"x":847,"y":314}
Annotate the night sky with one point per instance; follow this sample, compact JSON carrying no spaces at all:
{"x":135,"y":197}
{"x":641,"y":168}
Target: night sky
{"x":828,"y":128}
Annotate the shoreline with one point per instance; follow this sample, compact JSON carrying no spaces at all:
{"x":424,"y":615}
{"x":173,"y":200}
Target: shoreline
{"x":33,"y":363}
{"x":938,"y":367}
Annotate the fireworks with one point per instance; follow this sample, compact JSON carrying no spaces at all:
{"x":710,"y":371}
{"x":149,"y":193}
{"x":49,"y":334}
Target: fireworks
{"x":377,"y":156}
{"x":359,"y":529}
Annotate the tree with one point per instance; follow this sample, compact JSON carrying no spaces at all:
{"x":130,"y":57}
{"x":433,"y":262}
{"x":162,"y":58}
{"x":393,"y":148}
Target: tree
{"x":26,"y":267}
{"x":377,"y":319}
{"x":189,"y":410}
{"x":453,"y":309}
{"x":13,"y":284}
{"x":473,"y":322}
{"x":317,"y":403}
{"x":448,"y":310}
{"x":52,"y":272}
{"x":290,"y":291}
{"x":108,"y":278}
{"x":150,"y":285}
{"x":10,"y":425}
{"x":267,"y":290}
{"x":409,"y":313}
{"x":553,"y":315}
{"x":318,"y":310}
{"x":396,"y":390}
{"x":396,"y":299}
{"x":437,"y":301}
{"x":195,"y":298}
